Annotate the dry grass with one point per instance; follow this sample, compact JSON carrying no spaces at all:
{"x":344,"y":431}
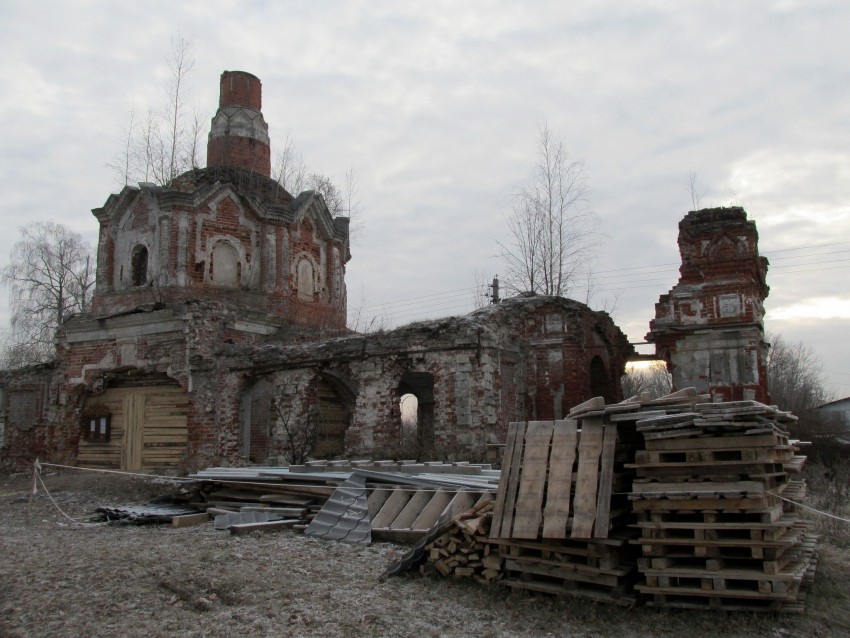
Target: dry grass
{"x":61,"y":579}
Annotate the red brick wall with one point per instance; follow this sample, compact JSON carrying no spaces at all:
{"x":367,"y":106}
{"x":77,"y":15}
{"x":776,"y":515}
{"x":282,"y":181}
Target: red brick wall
{"x":240,"y":152}
{"x":238,"y":88}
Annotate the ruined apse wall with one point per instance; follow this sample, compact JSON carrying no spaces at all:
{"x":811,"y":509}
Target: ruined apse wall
{"x":567,"y":352}
{"x":710,"y":327}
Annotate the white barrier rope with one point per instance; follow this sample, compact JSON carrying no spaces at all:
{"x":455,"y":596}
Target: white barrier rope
{"x":123,"y":472}
{"x":812,"y":509}
{"x":37,"y":477}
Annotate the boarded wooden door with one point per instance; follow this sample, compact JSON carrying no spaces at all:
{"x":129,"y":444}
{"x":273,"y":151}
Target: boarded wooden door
{"x":147,"y":428}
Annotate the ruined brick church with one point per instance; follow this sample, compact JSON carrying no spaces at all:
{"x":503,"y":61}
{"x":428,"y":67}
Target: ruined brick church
{"x":217,"y":334}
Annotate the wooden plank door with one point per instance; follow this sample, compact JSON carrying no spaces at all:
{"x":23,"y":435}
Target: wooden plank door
{"x":134,"y":423}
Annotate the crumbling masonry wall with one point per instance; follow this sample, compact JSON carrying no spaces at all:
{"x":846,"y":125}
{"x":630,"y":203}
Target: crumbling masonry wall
{"x":35,"y":418}
{"x":527,"y":358}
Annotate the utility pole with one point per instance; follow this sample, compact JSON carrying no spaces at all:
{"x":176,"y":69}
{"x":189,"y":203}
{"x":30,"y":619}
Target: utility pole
{"x":494,"y":287}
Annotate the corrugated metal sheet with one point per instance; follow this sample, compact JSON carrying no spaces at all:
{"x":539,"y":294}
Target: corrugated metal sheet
{"x":345,"y":515}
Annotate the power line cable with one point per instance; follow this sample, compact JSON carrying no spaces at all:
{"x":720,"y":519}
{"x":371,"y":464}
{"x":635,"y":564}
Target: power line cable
{"x":425,"y":303}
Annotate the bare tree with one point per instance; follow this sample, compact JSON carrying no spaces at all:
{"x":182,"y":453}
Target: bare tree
{"x":49,"y":275}
{"x":180,"y":63}
{"x":795,"y":376}
{"x":696,"y":196}
{"x":359,"y":321}
{"x":124,"y":162}
{"x":290,"y":169}
{"x":480,"y":287}
{"x":195,"y":132}
{"x":608,"y":302}
{"x":333,"y":196}
{"x":299,"y":435}
{"x":292,"y":173}
{"x":553,"y":232}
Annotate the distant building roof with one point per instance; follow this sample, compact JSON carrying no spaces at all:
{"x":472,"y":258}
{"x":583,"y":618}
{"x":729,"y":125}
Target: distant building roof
{"x":837,"y":404}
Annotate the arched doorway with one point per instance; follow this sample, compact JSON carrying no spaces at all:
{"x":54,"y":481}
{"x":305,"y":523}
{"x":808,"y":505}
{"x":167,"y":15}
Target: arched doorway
{"x":421,"y":386}
{"x":336,"y":400}
{"x":600,"y":381}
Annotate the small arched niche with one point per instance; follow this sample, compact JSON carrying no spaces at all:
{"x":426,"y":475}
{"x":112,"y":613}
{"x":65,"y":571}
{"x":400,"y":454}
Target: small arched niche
{"x":306,"y":280}
{"x":224,"y":265}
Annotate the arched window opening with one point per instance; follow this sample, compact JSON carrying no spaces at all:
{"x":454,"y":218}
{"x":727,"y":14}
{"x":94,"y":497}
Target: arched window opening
{"x":139,"y":265}
{"x":600,"y":381}
{"x":409,"y":407}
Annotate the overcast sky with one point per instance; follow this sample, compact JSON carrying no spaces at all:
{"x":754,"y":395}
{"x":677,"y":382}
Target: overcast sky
{"x":436,"y":105}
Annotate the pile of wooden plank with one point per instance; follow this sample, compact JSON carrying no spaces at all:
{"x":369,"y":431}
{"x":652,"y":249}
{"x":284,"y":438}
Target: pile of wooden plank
{"x":405,"y":498}
{"x":714,"y":498}
{"x":560,"y":520}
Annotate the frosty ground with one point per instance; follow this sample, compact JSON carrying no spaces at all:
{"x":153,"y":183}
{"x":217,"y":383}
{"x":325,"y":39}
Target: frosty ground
{"x":59,"y":578}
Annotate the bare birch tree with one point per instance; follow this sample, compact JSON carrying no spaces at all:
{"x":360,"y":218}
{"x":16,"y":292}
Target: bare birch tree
{"x":553,"y":233}
{"x":49,"y":275}
{"x":180,"y":63}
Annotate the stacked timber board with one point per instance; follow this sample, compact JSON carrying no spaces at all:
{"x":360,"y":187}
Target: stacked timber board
{"x":404,"y":499}
{"x":560,"y":519}
{"x":713,"y":499}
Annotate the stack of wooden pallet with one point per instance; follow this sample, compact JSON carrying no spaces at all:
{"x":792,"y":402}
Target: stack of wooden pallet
{"x":713,"y":501}
{"x":560,"y":519}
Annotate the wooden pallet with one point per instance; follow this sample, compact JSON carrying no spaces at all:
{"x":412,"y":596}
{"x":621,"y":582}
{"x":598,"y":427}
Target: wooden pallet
{"x":557,"y":480}
{"x":756,"y":455}
{"x":596,"y":554}
{"x":701,"y":531}
{"x":756,"y":517}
